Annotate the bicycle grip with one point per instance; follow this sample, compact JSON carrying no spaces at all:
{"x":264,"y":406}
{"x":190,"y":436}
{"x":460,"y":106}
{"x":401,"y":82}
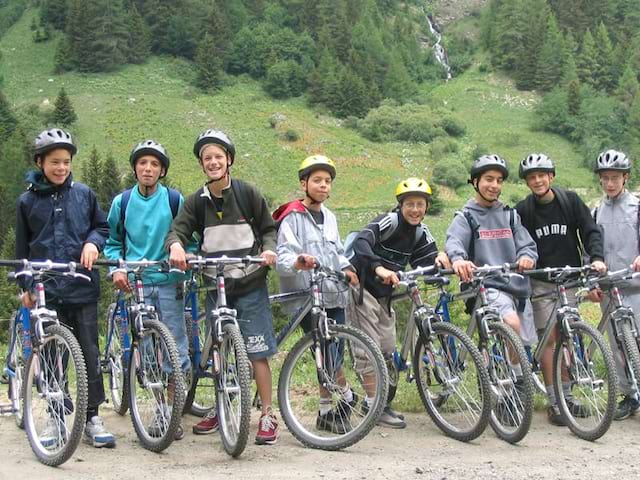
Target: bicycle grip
{"x":107,"y":263}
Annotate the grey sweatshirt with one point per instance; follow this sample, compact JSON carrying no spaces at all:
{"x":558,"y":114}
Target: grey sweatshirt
{"x":495,"y":242}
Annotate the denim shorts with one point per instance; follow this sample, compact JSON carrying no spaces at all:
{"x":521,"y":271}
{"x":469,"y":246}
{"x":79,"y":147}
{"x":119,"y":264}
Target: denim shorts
{"x":254,"y":319}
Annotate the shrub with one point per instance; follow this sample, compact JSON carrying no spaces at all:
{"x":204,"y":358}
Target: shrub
{"x":450,"y":172}
{"x":410,"y":122}
{"x":291,"y":135}
{"x":285,"y":79}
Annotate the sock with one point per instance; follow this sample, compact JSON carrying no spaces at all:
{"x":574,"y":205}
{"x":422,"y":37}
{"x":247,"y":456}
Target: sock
{"x":369,"y":401}
{"x":325,"y":406}
{"x":551,"y":394}
{"x":91,"y":413}
{"x":347,"y":395}
{"x":517,"y":369}
{"x":566,"y":391}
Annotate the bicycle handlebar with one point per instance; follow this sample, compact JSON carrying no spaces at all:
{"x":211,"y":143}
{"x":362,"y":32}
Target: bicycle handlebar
{"x":224,"y":260}
{"x":330,"y":272}
{"x":46,"y":266}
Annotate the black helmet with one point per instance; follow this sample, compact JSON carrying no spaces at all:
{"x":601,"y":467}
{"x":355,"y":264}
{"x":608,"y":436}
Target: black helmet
{"x":488,"y":162}
{"x":50,"y":140}
{"x":536,"y":162}
{"x":150,"y":147}
{"x":613,"y":160}
{"x":218,"y":138}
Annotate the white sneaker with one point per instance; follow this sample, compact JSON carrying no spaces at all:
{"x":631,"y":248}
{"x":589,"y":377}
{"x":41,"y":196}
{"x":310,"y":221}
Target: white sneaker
{"x":51,"y":433}
{"x":95,"y":434}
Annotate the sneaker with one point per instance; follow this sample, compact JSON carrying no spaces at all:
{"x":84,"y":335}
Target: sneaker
{"x":386,"y":419}
{"x":628,"y":406}
{"x":393,"y":413}
{"x":160,"y":422}
{"x":95,"y":434}
{"x":209,"y":424}
{"x":577,"y":409}
{"x":267,"y":430}
{"x":332,"y":422}
{"x":344,"y":408}
{"x":51,"y":433}
{"x":555,"y":417}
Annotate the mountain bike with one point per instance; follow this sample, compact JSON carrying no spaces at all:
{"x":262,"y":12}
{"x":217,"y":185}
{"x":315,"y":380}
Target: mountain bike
{"x":582,"y":359}
{"x":329,"y":360}
{"x":47,"y":369}
{"x":450,"y":372}
{"x":153,"y":384}
{"x":224,"y":364}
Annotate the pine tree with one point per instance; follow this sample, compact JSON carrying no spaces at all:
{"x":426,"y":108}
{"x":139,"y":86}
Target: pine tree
{"x":587,"y":60}
{"x":398,"y":83}
{"x":351,"y":96}
{"x":8,"y":121}
{"x":54,"y":12}
{"x":217,"y":26}
{"x":627,"y":88}
{"x":93,"y":170}
{"x":551,"y":61}
{"x":604,"y":75}
{"x":209,"y":65}
{"x":508,"y":35}
{"x":110,"y":184}
{"x":139,"y":37}
{"x":63,"y":114}
{"x":532,"y":19}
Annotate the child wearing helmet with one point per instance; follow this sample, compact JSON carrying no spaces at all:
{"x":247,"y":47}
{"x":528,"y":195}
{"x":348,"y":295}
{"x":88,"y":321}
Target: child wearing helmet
{"x":138,"y":232}
{"x":60,"y":220}
{"x":562,"y":228}
{"x":487,"y":232}
{"x":618,"y":216}
{"x":385,"y":246}
{"x":231,"y":217}
{"x":308,"y":236}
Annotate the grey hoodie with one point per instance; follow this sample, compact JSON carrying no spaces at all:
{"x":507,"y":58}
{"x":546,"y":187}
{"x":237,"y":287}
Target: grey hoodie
{"x":618,"y":219}
{"x":495,"y":244}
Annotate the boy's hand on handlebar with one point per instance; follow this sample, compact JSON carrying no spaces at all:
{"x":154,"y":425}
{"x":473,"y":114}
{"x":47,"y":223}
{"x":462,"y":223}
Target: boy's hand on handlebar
{"x":269,"y":257}
{"x":636,"y":264}
{"x":525,"y":263}
{"x":88,"y":255}
{"x":177,"y":256}
{"x":388,"y":277}
{"x":121,"y":281}
{"x":352,"y":277}
{"x":442,"y":260}
{"x":464,"y":269}
{"x":28,"y":299}
{"x":305,"y":262}
{"x":595,"y":295}
{"x":599,"y":266}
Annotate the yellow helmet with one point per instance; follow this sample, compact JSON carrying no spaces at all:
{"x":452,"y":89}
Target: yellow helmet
{"x":316,"y":162}
{"x":413,"y":186}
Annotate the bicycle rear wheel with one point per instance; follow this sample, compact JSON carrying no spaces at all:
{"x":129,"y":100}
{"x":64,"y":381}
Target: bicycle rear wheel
{"x":511,"y":416}
{"x":233,"y":395}
{"x":630,"y":344}
{"x":156,"y":386}
{"x":115,"y":363}
{"x":587,"y":401}
{"x":348,"y":361}
{"x":201,"y":396}
{"x":16,"y":378}
{"x":453,"y":382}
{"x":55,"y":396}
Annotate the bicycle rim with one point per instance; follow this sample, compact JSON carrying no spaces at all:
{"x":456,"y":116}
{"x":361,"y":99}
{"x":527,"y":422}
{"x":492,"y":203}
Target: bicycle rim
{"x":511,"y":415}
{"x":587,"y":400}
{"x":16,"y":380}
{"x":201,"y":397}
{"x":631,"y":352}
{"x":452,"y":382}
{"x":156,"y":387}
{"x":234,"y":392}
{"x":55,"y":396}
{"x":348,"y":359}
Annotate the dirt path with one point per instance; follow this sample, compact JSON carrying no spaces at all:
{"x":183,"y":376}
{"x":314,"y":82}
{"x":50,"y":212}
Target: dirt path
{"x":418,"y":452}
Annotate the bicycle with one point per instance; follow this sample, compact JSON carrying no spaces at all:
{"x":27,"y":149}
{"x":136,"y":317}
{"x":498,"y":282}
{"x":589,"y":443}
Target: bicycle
{"x":622,"y":321}
{"x":502,"y":350}
{"x":450,"y":373}
{"x":582,"y":359}
{"x":153,"y":384}
{"x":19,"y":349}
{"x":53,"y":381}
{"x":224,"y":364}
{"x":338,"y":354}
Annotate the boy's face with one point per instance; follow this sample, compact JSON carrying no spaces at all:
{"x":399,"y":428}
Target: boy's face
{"x":612,"y":182}
{"x":539,"y":182}
{"x":317,"y":185}
{"x":414,"y":208}
{"x":214,"y":162}
{"x":148,"y":169}
{"x":490,"y":185}
{"x":56,"y":166}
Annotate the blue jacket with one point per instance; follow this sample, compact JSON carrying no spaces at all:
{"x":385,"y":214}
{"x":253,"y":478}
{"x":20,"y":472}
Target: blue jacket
{"x":54,"y":223}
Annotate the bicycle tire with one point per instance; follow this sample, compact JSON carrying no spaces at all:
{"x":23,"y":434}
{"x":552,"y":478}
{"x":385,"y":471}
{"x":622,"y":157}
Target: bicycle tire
{"x":234,"y":411}
{"x":55,"y":399}
{"x":16,"y":380}
{"x":394,"y":377}
{"x":201,"y":397}
{"x":116,"y":365}
{"x":632,"y":354}
{"x":298,"y":405}
{"x":511,"y":417}
{"x":579,"y":355}
{"x":443,"y":381}
{"x":155,"y":414}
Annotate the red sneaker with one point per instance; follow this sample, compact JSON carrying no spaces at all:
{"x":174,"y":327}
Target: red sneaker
{"x":208,"y":424}
{"x":267,"y":430}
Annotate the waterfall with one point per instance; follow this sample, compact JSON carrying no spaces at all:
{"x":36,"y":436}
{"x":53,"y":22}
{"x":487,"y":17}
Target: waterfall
{"x":438,"y":49}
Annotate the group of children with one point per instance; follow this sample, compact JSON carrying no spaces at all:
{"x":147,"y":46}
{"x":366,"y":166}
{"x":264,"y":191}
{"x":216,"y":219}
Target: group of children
{"x":61,"y":220}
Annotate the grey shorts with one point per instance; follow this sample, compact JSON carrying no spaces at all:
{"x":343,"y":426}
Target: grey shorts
{"x":505,"y":304}
{"x":545,"y":308}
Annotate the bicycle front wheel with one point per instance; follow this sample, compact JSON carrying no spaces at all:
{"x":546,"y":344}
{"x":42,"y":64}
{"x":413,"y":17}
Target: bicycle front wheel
{"x":201,"y":397}
{"x":116,"y":362}
{"x":55,"y":396}
{"x":233,"y":395}
{"x":631,"y":353}
{"x":156,"y":386}
{"x":511,"y":417}
{"x":587,"y":394}
{"x":16,"y":377}
{"x":348,"y":373}
{"x":453,"y":382}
